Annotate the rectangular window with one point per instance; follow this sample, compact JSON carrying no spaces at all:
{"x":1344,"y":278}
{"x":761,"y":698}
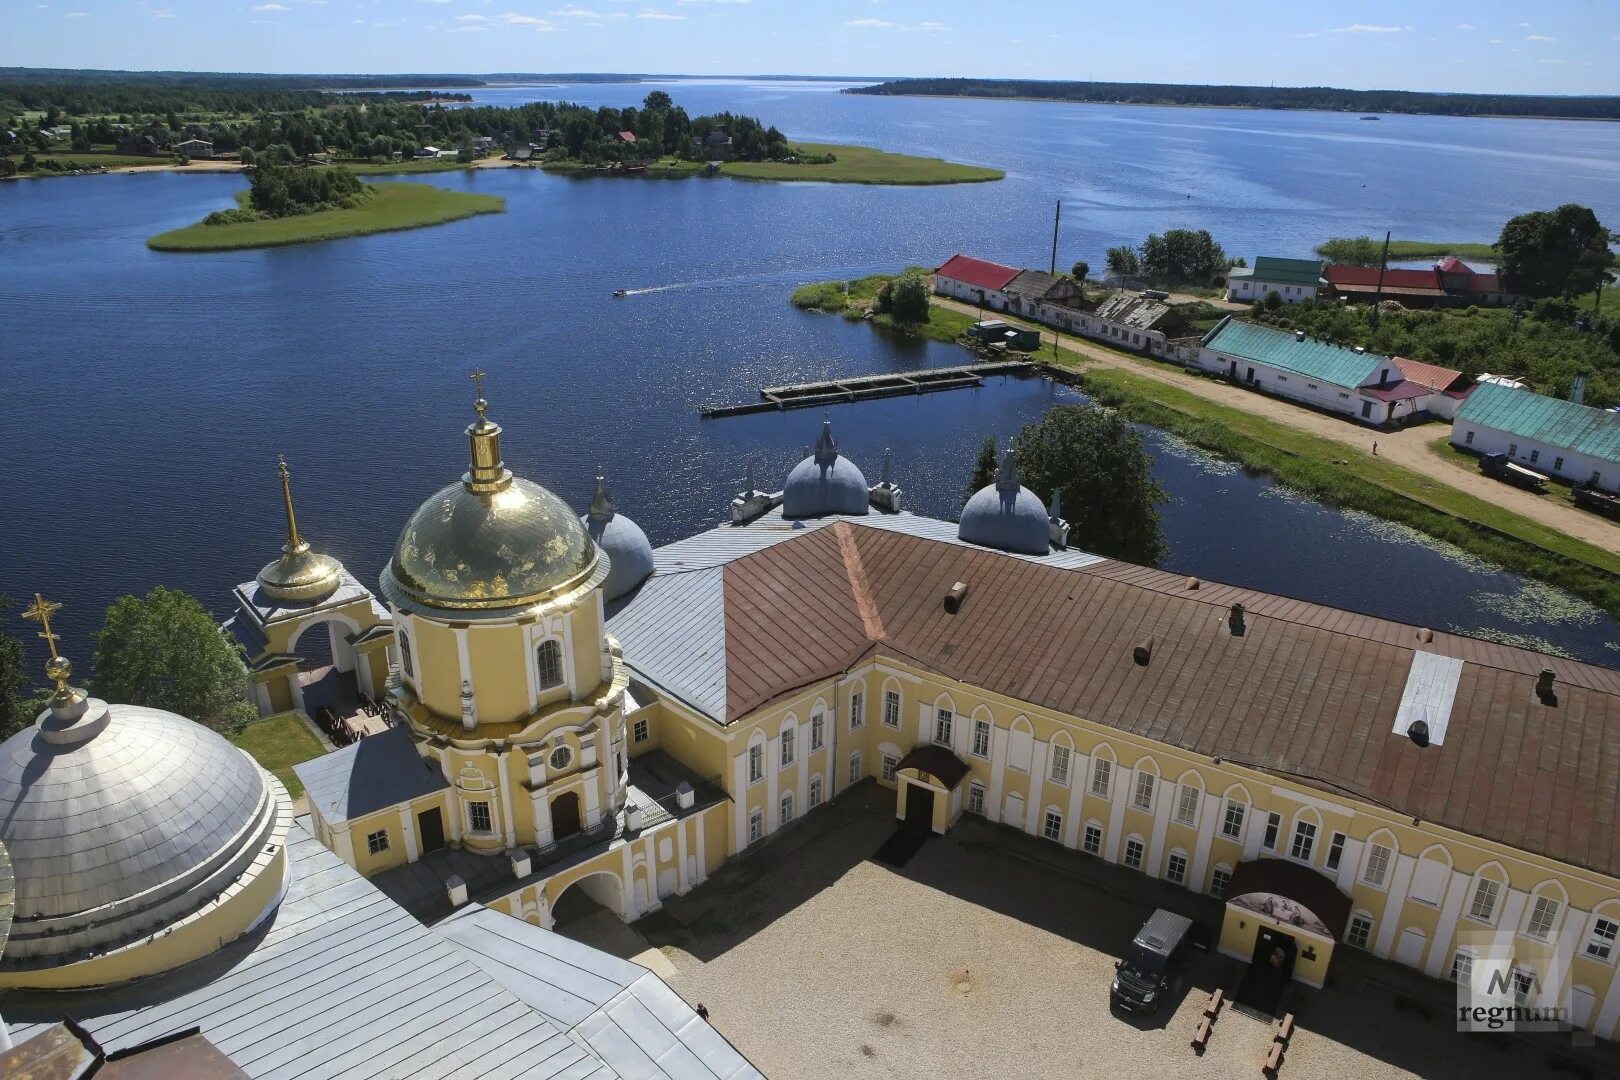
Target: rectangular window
{"x":891,"y":708}
{"x":855,"y":767}
{"x":1462,"y":967}
{"x":1468,"y":439}
{"x":377,"y":842}
{"x":756,"y":826}
{"x":787,"y":747}
{"x":1092,"y":845}
{"x":816,"y":725}
{"x":1176,"y":870}
{"x":1558,"y":464}
{"x":1360,"y":931}
{"x":641,"y":732}
{"x":1060,"y":765}
{"x":478,"y":817}
{"x":1187,"y":805}
{"x":1335,"y":851}
{"x":857,"y":710}
{"x":1513,"y":449}
{"x":786,"y":809}
{"x":1600,"y":946}
{"x":1143,"y":799}
{"x":981,"y":738}
{"x":942,"y":726}
{"x":1304,"y":841}
{"x":1232,"y":824}
{"x":1219,"y":881}
{"x":1102,"y":775}
{"x":815,"y":792}
{"x":1535,"y":456}
{"x":1524,"y":981}
{"x":1053,"y":828}
{"x":1483,"y":905}
{"x":1133,"y":854}
{"x":976,"y":799}
{"x":889,"y":763}
{"x":756,"y":764}
{"x":1377,"y":865}
{"x":1273,"y":824}
{"x":1542,"y":917}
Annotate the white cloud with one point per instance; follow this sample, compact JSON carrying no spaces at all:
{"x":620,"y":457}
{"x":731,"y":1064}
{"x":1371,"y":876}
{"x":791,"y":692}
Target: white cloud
{"x":660,"y":16}
{"x":1363,"y":28}
{"x":543,"y":26}
{"x":470,"y":28}
{"x":870,"y":23}
{"x":1538,"y":37}
{"x":683,"y":2}
{"x":574,"y":11}
{"x":268,"y":7}
{"x":1524,"y":26}
{"x":472,"y":18}
{"x":1464,"y":26}
{"x":77,"y":15}
{"x":932,"y":26}
{"x":1308,"y":34}
{"x":1494,"y":41}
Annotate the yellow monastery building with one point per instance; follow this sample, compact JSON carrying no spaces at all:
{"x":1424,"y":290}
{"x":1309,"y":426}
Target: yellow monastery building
{"x":570,"y":707}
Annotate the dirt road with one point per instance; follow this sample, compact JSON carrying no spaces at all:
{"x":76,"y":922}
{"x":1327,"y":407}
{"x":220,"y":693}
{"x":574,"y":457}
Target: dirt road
{"x":1409,"y":447}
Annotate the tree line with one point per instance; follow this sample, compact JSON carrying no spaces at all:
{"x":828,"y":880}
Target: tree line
{"x":1176,"y":257}
{"x":1321,"y":98}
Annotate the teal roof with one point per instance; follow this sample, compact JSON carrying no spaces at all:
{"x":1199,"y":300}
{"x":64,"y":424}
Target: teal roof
{"x":1553,"y":421}
{"x":1303,"y":356}
{"x":1288,"y":271}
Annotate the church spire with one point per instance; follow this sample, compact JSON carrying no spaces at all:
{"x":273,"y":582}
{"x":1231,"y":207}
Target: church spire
{"x":602,"y":503}
{"x":300,"y":574}
{"x":826,"y":447}
{"x":295,"y":543}
{"x":487,"y":474}
{"x":1007,"y":472}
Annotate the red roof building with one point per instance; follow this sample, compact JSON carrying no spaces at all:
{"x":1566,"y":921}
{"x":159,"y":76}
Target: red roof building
{"x":1452,"y":282}
{"x":627,"y":136}
{"x":979,"y":273}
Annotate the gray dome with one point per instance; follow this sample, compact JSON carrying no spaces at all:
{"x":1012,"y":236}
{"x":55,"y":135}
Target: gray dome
{"x":120,"y":821}
{"x":824,"y":483}
{"x":630,"y":556}
{"x":1006,"y":515}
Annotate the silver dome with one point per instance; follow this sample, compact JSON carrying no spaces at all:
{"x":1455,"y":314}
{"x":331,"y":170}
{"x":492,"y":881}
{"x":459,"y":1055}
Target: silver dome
{"x":630,"y":555}
{"x":824,"y":483}
{"x":122,"y":821}
{"x":1006,"y":515}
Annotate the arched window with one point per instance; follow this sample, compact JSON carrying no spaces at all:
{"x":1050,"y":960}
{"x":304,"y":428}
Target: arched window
{"x":549,"y":663}
{"x":405,"y":657}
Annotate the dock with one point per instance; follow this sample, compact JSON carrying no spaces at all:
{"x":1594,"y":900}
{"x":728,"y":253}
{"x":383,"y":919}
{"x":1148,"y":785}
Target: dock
{"x":865,"y":387}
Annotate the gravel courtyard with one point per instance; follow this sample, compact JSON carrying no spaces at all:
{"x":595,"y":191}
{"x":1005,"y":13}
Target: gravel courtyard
{"x":817,"y":962}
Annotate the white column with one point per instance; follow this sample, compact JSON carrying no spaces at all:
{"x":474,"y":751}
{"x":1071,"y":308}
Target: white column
{"x":408,"y":828}
{"x":998,"y":765}
{"x":833,"y":721}
{"x":739,"y":799}
{"x":1166,"y":797}
{"x":592,"y":802}
{"x":773,"y":766}
{"x":1212,"y":810}
{"x":801,"y":790}
{"x":1609,"y":1012}
{"x":1071,"y":816}
{"x":542,"y":816}
{"x":925,"y":729}
{"x":1445,"y":930}
{"x":702,"y":863}
{"x":1394,"y":905}
{"x":464,"y":658}
{"x":1513,"y":911}
{"x":505,"y":798}
{"x":530,"y":659}
{"x":1123,"y":779}
{"x":1569,"y":942}
{"x":1349,"y":864}
{"x":630,"y":911}
{"x":1254,"y":832}
{"x":680,"y":855}
{"x":1035,"y":813}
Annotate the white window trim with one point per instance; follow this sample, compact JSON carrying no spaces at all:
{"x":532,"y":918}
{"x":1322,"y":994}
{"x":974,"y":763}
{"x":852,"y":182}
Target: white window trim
{"x":1382,"y":885}
{"x":1243,"y":818}
{"x":753,"y":779}
{"x":1068,"y":764}
{"x":1530,"y":913}
{"x":1181,"y":800}
{"x":989,"y":730}
{"x":1613,"y":943}
{"x":1473,"y":892}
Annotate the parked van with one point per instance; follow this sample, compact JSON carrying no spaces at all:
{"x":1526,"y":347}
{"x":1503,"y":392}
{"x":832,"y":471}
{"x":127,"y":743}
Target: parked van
{"x":1151,"y":968}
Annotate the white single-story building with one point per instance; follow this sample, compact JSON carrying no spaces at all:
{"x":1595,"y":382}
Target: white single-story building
{"x":1292,"y":280}
{"x":975,"y":281}
{"x":1576,"y":443}
{"x":1123,"y":319}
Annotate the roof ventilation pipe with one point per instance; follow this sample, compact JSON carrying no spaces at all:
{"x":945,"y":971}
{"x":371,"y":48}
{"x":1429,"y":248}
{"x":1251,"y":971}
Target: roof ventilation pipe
{"x":520,"y":862}
{"x":1235,"y":620}
{"x":684,"y":795}
{"x":1544,"y":686}
{"x":1425,"y":635}
{"x":1418,"y":732}
{"x":456,"y":889}
{"x":1299,"y":335}
{"x":1193,"y":584}
{"x":955,"y":596}
{"x":1143,"y":652}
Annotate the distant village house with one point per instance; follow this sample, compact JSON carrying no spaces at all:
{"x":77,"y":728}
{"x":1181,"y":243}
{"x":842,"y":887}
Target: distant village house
{"x":1292,"y":280}
{"x":195,"y":148}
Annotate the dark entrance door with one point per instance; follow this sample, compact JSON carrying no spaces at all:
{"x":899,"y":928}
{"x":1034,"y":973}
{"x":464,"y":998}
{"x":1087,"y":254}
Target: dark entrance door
{"x":1270,"y":970}
{"x":1251,"y":375}
{"x":919,"y":808}
{"x":431,"y":825}
{"x":565,"y":815}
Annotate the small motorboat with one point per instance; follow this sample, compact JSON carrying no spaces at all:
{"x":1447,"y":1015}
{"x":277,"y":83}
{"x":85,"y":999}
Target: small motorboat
{"x":621,"y":293}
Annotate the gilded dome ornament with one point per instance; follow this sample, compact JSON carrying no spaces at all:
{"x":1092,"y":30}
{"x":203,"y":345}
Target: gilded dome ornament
{"x":301,"y":574}
{"x":492,"y":542}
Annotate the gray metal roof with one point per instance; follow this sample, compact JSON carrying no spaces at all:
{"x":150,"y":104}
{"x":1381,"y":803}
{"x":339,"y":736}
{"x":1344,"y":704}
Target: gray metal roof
{"x":622,"y":1011}
{"x":379,"y":771}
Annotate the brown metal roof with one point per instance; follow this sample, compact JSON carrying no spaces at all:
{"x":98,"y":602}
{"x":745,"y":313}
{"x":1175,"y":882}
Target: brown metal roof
{"x":1306,"y":692}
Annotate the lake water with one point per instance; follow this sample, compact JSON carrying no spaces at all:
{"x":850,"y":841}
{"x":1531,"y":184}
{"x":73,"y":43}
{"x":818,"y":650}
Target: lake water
{"x":147,"y":395}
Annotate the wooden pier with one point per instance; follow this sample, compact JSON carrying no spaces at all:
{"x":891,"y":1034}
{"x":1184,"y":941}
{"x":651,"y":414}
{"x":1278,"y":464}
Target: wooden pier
{"x":864,"y":387}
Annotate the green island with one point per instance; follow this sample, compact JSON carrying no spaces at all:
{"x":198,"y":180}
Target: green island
{"x":1321,"y":468}
{"x":297,"y":206}
{"x":1366,"y":251}
{"x":57,"y":128}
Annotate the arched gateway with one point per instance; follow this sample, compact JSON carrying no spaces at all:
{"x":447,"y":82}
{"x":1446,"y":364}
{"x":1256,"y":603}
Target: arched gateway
{"x":1284,"y":918}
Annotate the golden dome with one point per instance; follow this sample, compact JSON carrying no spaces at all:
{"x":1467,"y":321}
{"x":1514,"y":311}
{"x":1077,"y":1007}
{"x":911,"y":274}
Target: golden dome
{"x":493,"y":541}
{"x":300,"y":574}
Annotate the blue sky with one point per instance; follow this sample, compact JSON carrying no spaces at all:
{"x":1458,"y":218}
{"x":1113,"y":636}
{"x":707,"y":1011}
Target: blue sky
{"x":1558,"y":46}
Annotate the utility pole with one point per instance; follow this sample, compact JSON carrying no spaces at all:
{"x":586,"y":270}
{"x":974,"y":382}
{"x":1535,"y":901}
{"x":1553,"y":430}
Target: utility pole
{"x":1056,"y":217}
{"x":1383,"y":262}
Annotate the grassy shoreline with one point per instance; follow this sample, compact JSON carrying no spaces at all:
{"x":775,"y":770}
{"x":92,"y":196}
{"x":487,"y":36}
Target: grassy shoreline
{"x":1408,"y":250}
{"x":1320,"y":468}
{"x":392,"y":208}
{"x":854,"y":165}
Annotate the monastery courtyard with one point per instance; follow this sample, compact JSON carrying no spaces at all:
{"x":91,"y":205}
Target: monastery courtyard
{"x":816,"y":960}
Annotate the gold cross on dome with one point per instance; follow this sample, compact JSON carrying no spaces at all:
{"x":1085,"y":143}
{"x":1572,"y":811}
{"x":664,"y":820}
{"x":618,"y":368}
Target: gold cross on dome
{"x":40,"y":611}
{"x":478,"y":390}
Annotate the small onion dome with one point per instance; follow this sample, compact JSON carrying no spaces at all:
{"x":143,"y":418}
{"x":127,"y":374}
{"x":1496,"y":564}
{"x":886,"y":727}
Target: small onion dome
{"x":1006,"y":515}
{"x":824,"y":483}
{"x":630,"y":556}
{"x":301,"y":573}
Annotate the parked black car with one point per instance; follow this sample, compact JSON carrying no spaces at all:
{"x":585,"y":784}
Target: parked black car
{"x":1151,"y":968}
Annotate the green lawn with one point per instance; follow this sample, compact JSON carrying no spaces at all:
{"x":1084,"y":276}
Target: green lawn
{"x":400,"y":168}
{"x":863,"y":165}
{"x":395,"y":206}
{"x":111,"y":161}
{"x":278,"y":743}
{"x":944,"y":324}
